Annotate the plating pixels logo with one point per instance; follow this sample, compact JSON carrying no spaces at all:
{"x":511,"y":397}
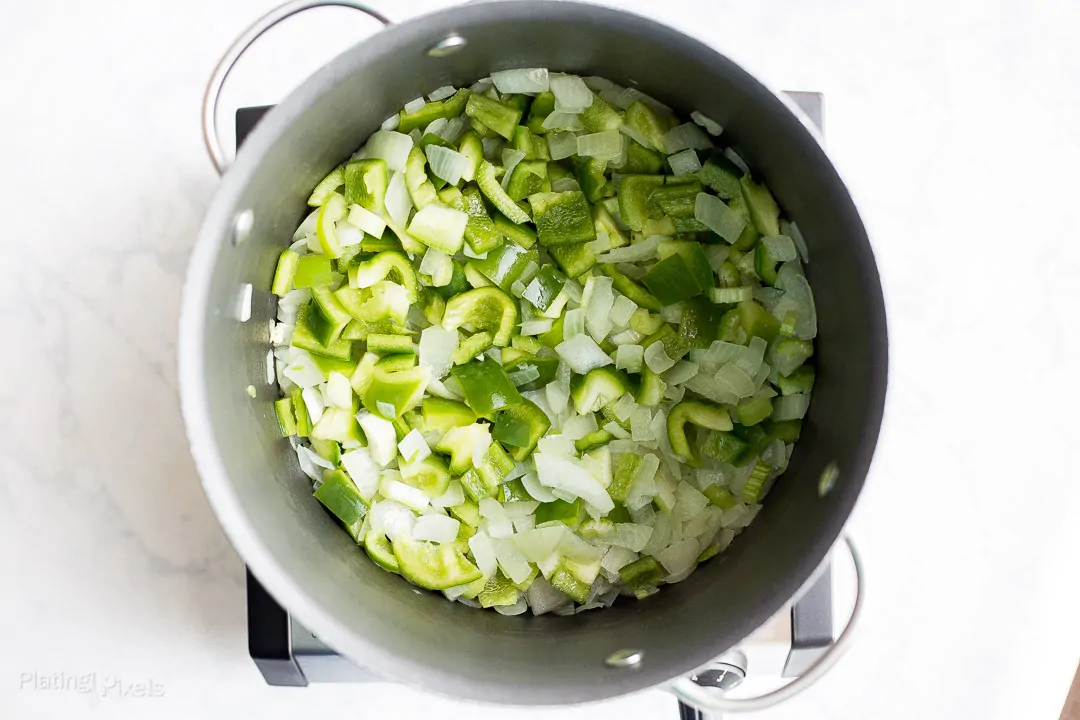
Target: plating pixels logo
{"x":103,"y":686}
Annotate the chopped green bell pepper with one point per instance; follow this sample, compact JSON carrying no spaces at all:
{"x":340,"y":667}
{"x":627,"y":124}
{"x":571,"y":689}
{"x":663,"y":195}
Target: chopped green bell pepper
{"x":720,"y":497}
{"x":641,"y":160}
{"x":575,"y":260}
{"x":789,"y":353}
{"x":648,"y":123}
{"x":287,"y":263}
{"x":303,"y":420}
{"x":485,"y":386}
{"x":421,"y":118}
{"x":600,"y":116}
{"x":326,"y":187}
{"x":390,"y":394}
{"x":432,"y":566}
{"x":757,"y":321}
{"x":697,"y":413}
{"x":528,"y":177}
{"x":480,"y":231}
{"x":429,"y":474}
{"x":313,"y":271}
{"x":752,"y":410}
{"x":327,"y":319}
{"x":325,"y":225}
{"x":755,"y":484}
{"x":390,"y":344}
{"x":310,"y":324}
{"x":458,"y":442}
{"x":487,"y":308}
{"x":421,"y":190}
{"x":365,"y":184}
{"x":597,"y":388}
{"x":534,"y":147}
{"x":801,"y":380}
{"x":591,"y":176}
{"x":472,"y":346}
{"x":562,"y":218}
{"x":593,"y":440}
{"x":341,"y":497}
{"x":472,"y":147}
{"x":764,"y":211}
{"x":441,"y":414}
{"x":544,"y":288}
{"x":721,"y":176}
{"x":488,"y":179}
{"x":286,"y":416}
{"x":725,"y":447}
{"x":642,"y":573}
{"x":389,"y":265}
{"x":568,"y":513}
{"x":635,"y":206}
{"x":785,"y":430}
{"x":394,"y":363}
{"x":521,"y":427}
{"x":671,"y":280}
{"x":500,"y":117}
{"x":505,"y":264}
{"x":542,"y":106}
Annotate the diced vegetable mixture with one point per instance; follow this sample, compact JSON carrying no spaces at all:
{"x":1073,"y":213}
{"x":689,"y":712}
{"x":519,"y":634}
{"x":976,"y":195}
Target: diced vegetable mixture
{"x":542,"y":343}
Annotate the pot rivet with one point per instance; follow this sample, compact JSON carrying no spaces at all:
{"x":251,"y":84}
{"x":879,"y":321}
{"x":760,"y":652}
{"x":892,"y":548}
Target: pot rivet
{"x":242,"y":227}
{"x":625,"y":658}
{"x":828,"y":479}
{"x":447,"y":46}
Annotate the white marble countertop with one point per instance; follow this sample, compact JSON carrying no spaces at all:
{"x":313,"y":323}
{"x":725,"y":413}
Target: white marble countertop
{"x":956,"y":124}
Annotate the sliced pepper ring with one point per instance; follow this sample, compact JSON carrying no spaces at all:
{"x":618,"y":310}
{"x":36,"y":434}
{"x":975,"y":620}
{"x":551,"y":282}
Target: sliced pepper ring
{"x":388,"y":264}
{"x":701,"y":414}
{"x":486,"y":308}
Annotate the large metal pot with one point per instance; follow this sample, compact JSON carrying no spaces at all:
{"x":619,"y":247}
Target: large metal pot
{"x":263,"y":500}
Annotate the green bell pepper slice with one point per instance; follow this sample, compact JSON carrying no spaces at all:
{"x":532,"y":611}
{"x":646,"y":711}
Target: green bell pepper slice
{"x":592,"y":177}
{"x":752,"y":410}
{"x":313,"y":271}
{"x":458,"y":443}
{"x":325,"y":229}
{"x":455,"y":104}
{"x":365,"y":184}
{"x":421,"y":118}
{"x":389,"y":265}
{"x":361,"y":329}
{"x":635,"y":204}
{"x":485,"y":386}
{"x":789,"y":353}
{"x":545,"y":366}
{"x":395,"y":362}
{"x":554,"y":336}
{"x":575,"y":260}
{"x":303,"y":420}
{"x":521,"y":427}
{"x":642,"y":574}
{"x":542,"y":106}
{"x":600,"y":116}
{"x":480,"y":230}
{"x":677,"y":200}
{"x":495,"y":466}
{"x":564,"y":581}
{"x":544,"y":288}
{"x":500,"y":117}
{"x":506,"y":263}
{"x":605,"y":223}
{"x":671,"y":280}
{"x":498,"y":592}
{"x":487,"y":178}
{"x":514,"y":491}
{"x":641,"y":297}
{"x":529,"y":177}
{"x":472,"y":346}
{"x":417,"y":182}
{"x":801,"y":380}
{"x":287,"y":263}
{"x":534,"y":147}
{"x":486,"y":308}
{"x":310,"y":325}
{"x":429,"y":474}
{"x":597,"y":388}
{"x":675,"y":345}
{"x":700,"y":321}
{"x":472,"y":147}
{"x":286,"y":416}
{"x":697,"y":413}
{"x":720,"y":497}
{"x":562,"y":218}
{"x":441,"y":414}
{"x":327,"y":318}
{"x":390,"y":394}
{"x":640,"y":160}
{"x":390,"y":344}
{"x":341,"y":497}
{"x":433,"y":566}
{"x":568,"y":513}
{"x":722,"y":176}
{"x":757,"y":321}
{"x":764,"y":212}
{"x":593,"y":440}
{"x":693,"y":255}
{"x":649,"y":123}
{"x":785,"y":430}
{"x":326,"y":187}
{"x":749,"y":235}
{"x":523,"y":235}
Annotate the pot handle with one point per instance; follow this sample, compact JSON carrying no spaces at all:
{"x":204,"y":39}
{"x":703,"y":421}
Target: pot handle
{"x":236,"y":51}
{"x":695,"y":695}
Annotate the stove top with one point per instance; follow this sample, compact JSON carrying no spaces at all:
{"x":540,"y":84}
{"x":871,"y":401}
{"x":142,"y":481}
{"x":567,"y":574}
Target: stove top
{"x":288,"y":654}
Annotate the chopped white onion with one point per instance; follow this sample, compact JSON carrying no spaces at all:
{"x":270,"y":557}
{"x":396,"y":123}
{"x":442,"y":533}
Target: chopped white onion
{"x":303,"y":371}
{"x":511,"y":562}
{"x":382,"y":440}
{"x":682,"y":371}
{"x":543,"y":598}
{"x":631,"y":95}
{"x":561,"y":145}
{"x":617,"y":430}
{"x":797,"y":298}
{"x":442,"y":93}
{"x":398,"y":202}
{"x":636,"y":136}
{"x":790,"y":407}
{"x":582,"y":354}
{"x":439,"y":226}
{"x":436,"y":528}
{"x":563,"y":121}
{"x":571,"y":91}
{"x":687,"y":135}
{"x":392,"y":519}
{"x":518,"y":608}
{"x":574,"y":323}
{"x":483,"y":552}
{"x":413,"y":447}
{"x":734,"y":379}
{"x":450,"y":165}
{"x":644,"y":250}
{"x":521,"y":80}
{"x":679,"y":557}
{"x":631,"y":536}
{"x":717,"y":255}
{"x":390,"y":123}
{"x":598,"y":307}
{"x":624,"y":407}
{"x":363,"y":471}
{"x":621,"y":310}
{"x":685,"y":162}
{"x":535,"y":489}
{"x":657,"y":359}
{"x":438,"y":266}
{"x":483,"y":442}
{"x":450,"y":132}
{"x":313,"y":400}
{"x":565,"y":184}
{"x":710,"y":125}
{"x":536,"y":327}
{"x":796,"y":235}
{"x":711,"y":212}
{"x":570,"y":477}
{"x":391,"y":146}
{"x":338,"y":392}
{"x":688,"y":502}
{"x":736,"y":158}
{"x":780,"y":247}
{"x":414,"y":105}
{"x":437,"y":347}
{"x":606,"y":144}
{"x":454,"y":495}
{"x":640,"y":421}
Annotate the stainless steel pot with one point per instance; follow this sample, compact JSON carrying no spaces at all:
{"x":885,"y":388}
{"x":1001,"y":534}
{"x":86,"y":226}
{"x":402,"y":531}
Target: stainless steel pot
{"x":263,"y":500}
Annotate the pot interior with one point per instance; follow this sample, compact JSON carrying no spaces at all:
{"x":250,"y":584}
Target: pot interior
{"x":315,"y":569}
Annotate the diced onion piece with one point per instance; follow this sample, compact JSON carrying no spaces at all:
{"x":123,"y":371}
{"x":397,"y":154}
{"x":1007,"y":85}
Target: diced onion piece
{"x":363,"y":471}
{"x":679,"y":557}
{"x":382,"y":440}
{"x":525,"y":375}
{"x":733,"y":378}
{"x":442,"y":93}
{"x":790,"y":407}
{"x":393,"y":147}
{"x":780,"y":247}
{"x":688,"y":502}
{"x":521,"y":80}
{"x":347,"y":234}
{"x":711,"y":212}
{"x":800,"y":242}
{"x":450,"y":165}
{"x":632,"y":536}
{"x":617,"y":430}
{"x":438,"y":266}
{"x":313,"y":400}
{"x":685,"y":162}
{"x":483,"y":442}
{"x":437,"y":347}
{"x":535,"y":489}
{"x":436,"y":528}
{"x":630,"y":357}
{"x":338,"y":391}
{"x":644,"y":250}
{"x":640,"y":420}
{"x":636,"y":136}
{"x":315,"y":458}
{"x":561,"y":145}
{"x":601,"y":244}
{"x":798,"y":298}
{"x":711,"y":126}
{"x":570,"y":477}
{"x":439,"y":226}
{"x":483,"y":552}
{"x":536,"y":327}
{"x":308,"y":226}
{"x":303,"y":371}
{"x":736,"y":158}
{"x":571,"y":91}
{"x":682,"y":371}
{"x":390,"y":123}
{"x":623,"y":407}
{"x":413,"y":447}
{"x":657,"y":359}
{"x":398,"y":202}
{"x":578,"y":426}
{"x":598,"y":308}
{"x":414,"y":105}
{"x":582,"y":354}
{"x":563,"y":121}
{"x":687,"y":135}
{"x":511,"y":561}
{"x":366,"y":220}
{"x":621,"y":310}
{"x":573,"y":323}
{"x":606,"y":144}
{"x":454,"y":495}
{"x":717,"y":255}
{"x":510,"y":160}
{"x":392,"y":519}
